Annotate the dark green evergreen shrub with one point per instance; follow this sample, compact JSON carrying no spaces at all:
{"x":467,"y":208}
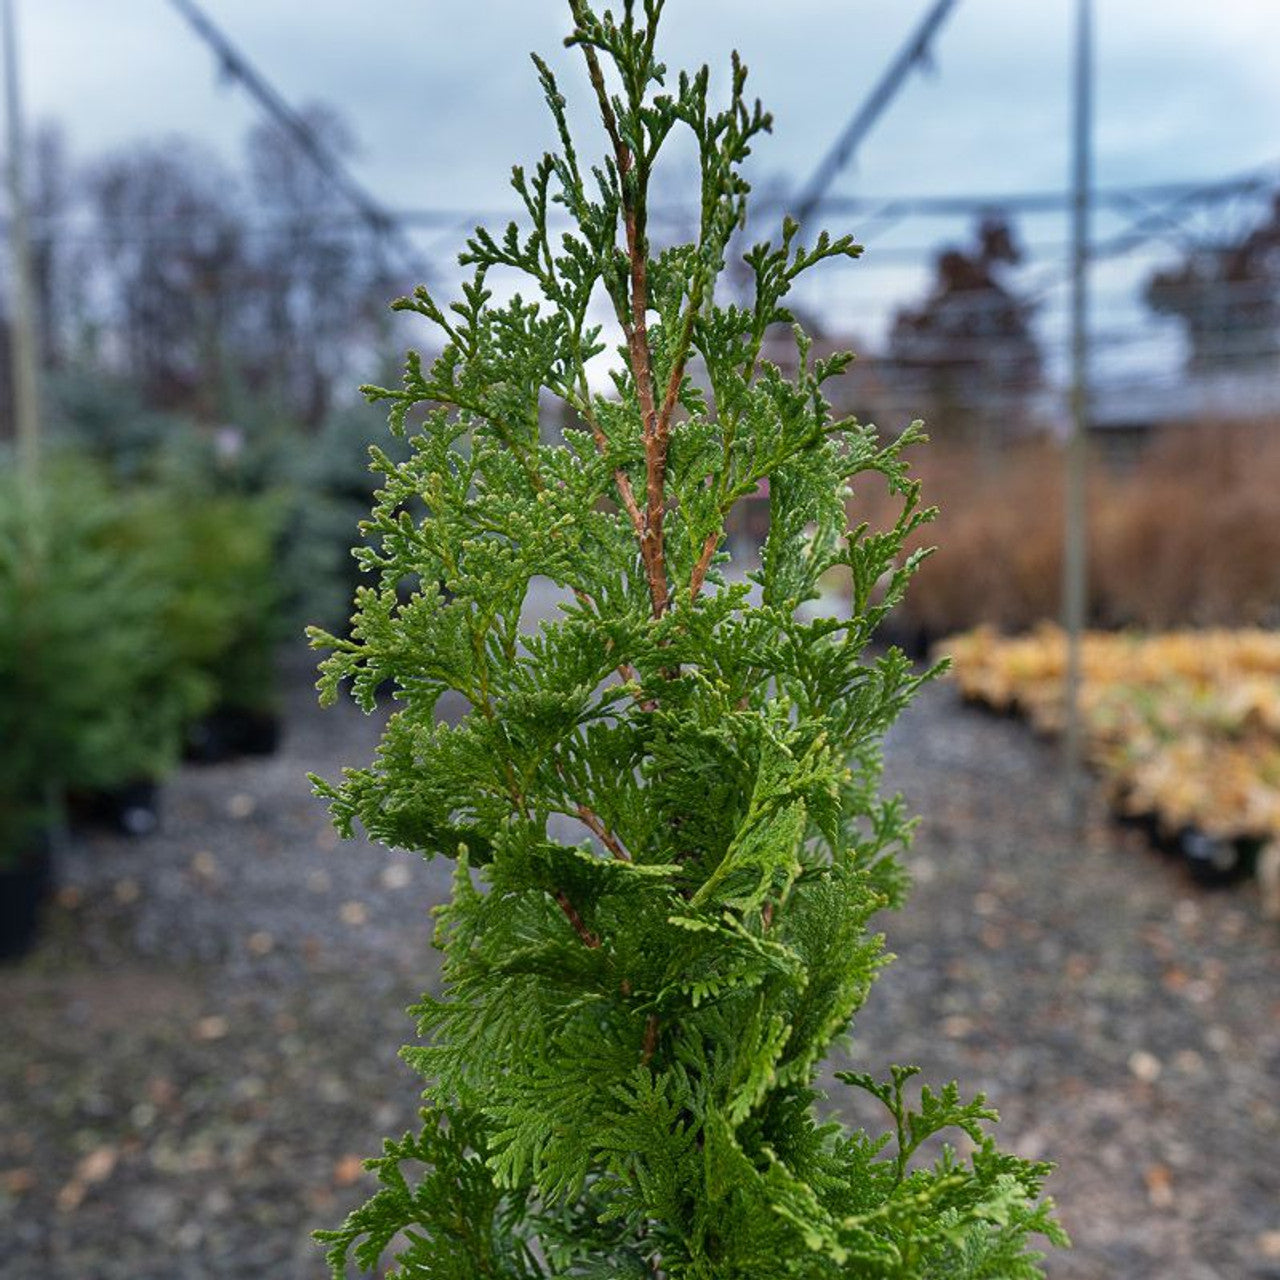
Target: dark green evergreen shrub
{"x":620,"y":1063}
{"x":216,"y":554}
{"x":93,"y":415}
{"x":91,"y":694}
{"x":285,"y":477}
{"x":335,"y":488}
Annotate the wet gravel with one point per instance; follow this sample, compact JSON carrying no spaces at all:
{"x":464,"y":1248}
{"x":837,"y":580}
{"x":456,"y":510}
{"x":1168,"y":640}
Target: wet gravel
{"x":204,"y":1044}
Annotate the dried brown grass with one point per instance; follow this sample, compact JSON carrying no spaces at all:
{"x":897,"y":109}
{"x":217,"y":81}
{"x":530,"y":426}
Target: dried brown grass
{"x":1189,"y":535}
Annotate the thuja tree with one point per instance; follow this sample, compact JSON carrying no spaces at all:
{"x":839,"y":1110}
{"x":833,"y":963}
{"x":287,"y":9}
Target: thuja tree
{"x":662,"y":803}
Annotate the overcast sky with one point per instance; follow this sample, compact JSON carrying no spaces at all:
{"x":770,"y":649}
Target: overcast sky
{"x":442,"y":99}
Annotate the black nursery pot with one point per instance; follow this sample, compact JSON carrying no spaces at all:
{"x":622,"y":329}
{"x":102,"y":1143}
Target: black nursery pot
{"x":915,"y":639}
{"x":228,"y":732}
{"x":1157,"y":836}
{"x":1214,"y":862}
{"x":129,"y":810}
{"x":25,"y":884}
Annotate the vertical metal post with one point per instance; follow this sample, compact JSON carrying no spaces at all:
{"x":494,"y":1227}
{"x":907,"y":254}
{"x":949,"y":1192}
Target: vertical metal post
{"x":1075,"y":559}
{"x":24,"y":330}
{"x":24,"y":323}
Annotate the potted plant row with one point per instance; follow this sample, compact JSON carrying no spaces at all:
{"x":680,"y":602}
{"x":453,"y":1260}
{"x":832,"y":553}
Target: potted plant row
{"x":124,"y":615}
{"x":1184,"y":728}
{"x":90,"y":701}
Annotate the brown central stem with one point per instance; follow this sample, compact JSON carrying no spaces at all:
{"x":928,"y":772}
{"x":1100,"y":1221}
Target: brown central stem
{"x":699,"y":574}
{"x":592,"y":822}
{"x":589,"y":939}
{"x":632,"y":183}
{"x":655,"y":437}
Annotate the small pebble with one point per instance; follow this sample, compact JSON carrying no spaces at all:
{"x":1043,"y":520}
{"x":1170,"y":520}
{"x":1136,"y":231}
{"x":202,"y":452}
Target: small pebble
{"x":217,"y":1202}
{"x":142,"y":1115}
{"x":331,"y":1089}
{"x":161,"y":1092}
{"x":241,"y":805}
{"x":1199,"y":991}
{"x":214,"y":1027}
{"x":97,"y":1166}
{"x":204,"y":865}
{"x":1232,"y":925}
{"x":126,"y":891}
{"x":319,"y":881}
{"x":1145,"y":1066}
{"x":1159,"y":1186}
{"x":1188,"y":1062}
{"x":71,"y":1196}
{"x":396,"y":876}
{"x":249,"y":1088}
{"x":354,"y":913}
{"x":260,"y":943}
{"x":189,"y":1236}
{"x":17,"y":1182}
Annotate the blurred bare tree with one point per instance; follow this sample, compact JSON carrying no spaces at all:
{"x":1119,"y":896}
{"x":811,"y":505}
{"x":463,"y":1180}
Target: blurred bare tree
{"x":228,"y":294}
{"x":1227,"y":297}
{"x":969,"y":347}
{"x":171,"y":271}
{"x":319,"y":283}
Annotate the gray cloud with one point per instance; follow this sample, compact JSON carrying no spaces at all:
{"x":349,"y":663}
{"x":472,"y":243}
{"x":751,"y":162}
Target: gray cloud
{"x":441,"y":94}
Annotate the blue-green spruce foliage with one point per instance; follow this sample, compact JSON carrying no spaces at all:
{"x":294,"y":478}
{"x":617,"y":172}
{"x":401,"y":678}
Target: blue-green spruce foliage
{"x":620,"y":1061}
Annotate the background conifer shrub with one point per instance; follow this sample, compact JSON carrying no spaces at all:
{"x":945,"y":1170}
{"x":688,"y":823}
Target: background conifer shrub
{"x":620,"y":1061}
{"x":94,"y":696}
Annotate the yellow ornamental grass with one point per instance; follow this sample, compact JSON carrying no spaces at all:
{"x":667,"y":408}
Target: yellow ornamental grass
{"x":1184,"y":726}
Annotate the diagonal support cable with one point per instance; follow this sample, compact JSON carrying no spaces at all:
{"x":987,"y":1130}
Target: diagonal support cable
{"x":912,"y":54}
{"x":385,"y":224}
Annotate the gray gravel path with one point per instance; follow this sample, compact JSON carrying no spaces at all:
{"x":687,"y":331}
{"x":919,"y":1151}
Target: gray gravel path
{"x":197,"y":1055}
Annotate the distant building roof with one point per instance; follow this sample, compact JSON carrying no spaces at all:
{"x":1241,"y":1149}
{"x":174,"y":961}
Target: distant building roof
{"x":1224,"y":397}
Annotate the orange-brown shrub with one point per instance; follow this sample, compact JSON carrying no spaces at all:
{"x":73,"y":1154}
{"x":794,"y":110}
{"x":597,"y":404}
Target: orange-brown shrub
{"x":1192,"y":536}
{"x":1188,"y":534}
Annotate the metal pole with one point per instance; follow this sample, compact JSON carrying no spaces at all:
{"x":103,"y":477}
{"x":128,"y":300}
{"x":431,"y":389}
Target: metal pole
{"x":1075,"y":559}
{"x":24,"y":329}
{"x":25,"y":326}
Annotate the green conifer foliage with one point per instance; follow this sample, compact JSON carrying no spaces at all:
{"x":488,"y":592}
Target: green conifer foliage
{"x":94,"y":692}
{"x":620,"y":1062}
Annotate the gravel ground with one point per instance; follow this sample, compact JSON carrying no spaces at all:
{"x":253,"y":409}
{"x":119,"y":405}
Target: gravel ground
{"x":198,"y":1053}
